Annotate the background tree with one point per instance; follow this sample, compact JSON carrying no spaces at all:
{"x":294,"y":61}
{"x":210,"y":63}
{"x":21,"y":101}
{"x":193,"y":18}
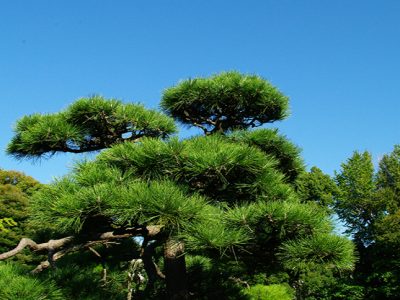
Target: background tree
{"x":369,"y":203}
{"x":15,"y":191}
{"x":226,"y":201}
{"x":315,"y":186}
{"x":356,"y":203}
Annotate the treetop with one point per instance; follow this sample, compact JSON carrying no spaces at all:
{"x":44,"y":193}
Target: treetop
{"x":225,"y":102}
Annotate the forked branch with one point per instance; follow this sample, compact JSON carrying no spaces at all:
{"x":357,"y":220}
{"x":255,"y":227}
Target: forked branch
{"x":59,"y":247}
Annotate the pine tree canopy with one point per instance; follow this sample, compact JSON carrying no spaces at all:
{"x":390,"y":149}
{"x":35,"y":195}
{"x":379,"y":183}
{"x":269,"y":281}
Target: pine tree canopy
{"x":225,"y":102}
{"x":272,"y":143}
{"x":89,"y":124}
{"x":213,"y":165}
{"x":227,"y":197}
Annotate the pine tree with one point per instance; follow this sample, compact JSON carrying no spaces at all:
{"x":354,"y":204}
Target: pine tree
{"x":227,"y":197}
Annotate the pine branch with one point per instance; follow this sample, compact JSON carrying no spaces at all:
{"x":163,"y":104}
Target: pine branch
{"x":196,"y":122}
{"x":104,"y":237}
{"x":26,"y":242}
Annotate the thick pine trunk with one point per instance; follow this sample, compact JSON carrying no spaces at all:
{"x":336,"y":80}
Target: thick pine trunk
{"x":175,"y":270}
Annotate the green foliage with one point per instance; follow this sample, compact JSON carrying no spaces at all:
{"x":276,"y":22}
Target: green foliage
{"x":387,"y":230}
{"x":327,"y":284}
{"x":85,"y":282}
{"x":346,"y":291}
{"x":315,"y":186}
{"x":81,"y":275}
{"x":73,"y":208}
{"x":150,"y":159}
{"x":25,"y":183}
{"x":88,"y":124}
{"x":213,"y":166}
{"x":369,"y":202}
{"x":15,"y":191}
{"x":388,"y":179}
{"x":389,"y":172}
{"x":214,"y":234}
{"x":279,"y":220}
{"x":214,"y":278}
{"x":225,"y":102}
{"x":229,"y":199}
{"x":356,"y":203}
{"x":227,"y":171}
{"x":278,"y":146}
{"x":157,"y":203}
{"x":7,"y":222}
{"x":322,"y":250}
{"x":269,"y":292}
{"x":15,"y":285}
{"x":122,"y":187}
{"x":289,"y":236}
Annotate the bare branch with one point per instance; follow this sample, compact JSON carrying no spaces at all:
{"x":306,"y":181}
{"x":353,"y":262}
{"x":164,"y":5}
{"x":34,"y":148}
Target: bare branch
{"x":25,"y":242}
{"x":54,"y":245}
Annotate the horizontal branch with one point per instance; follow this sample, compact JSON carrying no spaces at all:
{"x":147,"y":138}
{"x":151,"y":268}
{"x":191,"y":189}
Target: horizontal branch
{"x":56,"y":256}
{"x":32,"y":245}
{"x":55,"y":245}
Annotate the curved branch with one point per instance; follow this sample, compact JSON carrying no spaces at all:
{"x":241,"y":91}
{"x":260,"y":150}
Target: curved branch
{"x":32,"y":245}
{"x":54,"y":245}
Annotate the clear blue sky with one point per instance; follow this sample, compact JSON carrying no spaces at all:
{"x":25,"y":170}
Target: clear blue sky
{"x":338,"y":61}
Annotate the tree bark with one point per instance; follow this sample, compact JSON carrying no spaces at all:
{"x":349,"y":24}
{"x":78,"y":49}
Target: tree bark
{"x":175,"y":270}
